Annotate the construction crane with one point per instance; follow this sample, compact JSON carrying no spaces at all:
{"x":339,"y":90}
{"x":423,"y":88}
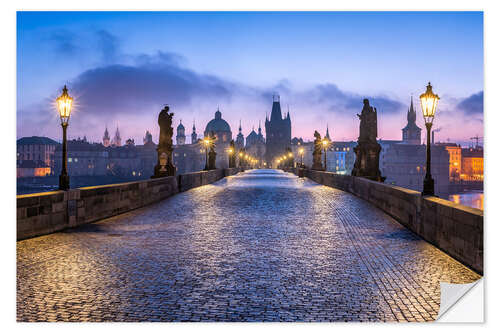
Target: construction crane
{"x":477,"y":138}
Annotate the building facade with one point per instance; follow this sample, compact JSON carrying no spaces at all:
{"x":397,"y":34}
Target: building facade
{"x":472,"y":164}
{"x":35,"y":155}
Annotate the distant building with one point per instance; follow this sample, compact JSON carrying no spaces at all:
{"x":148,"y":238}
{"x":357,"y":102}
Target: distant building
{"x":341,"y":157}
{"x":194,"y":136}
{"x":472,"y":164}
{"x":411,"y":132}
{"x":223,"y":135}
{"x":84,"y":159}
{"x":256,"y":145}
{"x":94,"y":159}
{"x":117,"y":140}
{"x":130,"y":142}
{"x":35,"y":149}
{"x":240,"y":139}
{"x":404,"y":165}
{"x":455,"y":153}
{"x":29,"y":168}
{"x":278,"y":132}
{"x":189,"y":157}
{"x":106,"y":141}
{"x":148,"y":138}
{"x":181,"y":135}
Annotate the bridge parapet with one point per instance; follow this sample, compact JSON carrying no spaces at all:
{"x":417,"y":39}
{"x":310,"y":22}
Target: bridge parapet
{"x":43,"y":213}
{"x":455,"y":229}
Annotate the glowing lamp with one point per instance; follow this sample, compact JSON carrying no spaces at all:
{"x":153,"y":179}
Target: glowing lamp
{"x":64,"y":104}
{"x":428,"y":101}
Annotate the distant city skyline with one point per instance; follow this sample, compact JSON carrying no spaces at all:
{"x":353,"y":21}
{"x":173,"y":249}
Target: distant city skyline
{"x":122,"y":67}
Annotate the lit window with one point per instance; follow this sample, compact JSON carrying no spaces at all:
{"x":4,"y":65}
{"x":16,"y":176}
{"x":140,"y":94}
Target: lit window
{"x":76,"y":159}
{"x":70,"y":159}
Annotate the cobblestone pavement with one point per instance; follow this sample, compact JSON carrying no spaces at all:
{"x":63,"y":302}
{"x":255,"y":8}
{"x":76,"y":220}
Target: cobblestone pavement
{"x":260,"y":246}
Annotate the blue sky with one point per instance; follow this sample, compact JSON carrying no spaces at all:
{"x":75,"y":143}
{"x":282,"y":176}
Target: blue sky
{"x":123,"y":66}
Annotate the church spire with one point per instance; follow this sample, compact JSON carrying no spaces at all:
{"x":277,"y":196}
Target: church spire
{"x":327,"y":133}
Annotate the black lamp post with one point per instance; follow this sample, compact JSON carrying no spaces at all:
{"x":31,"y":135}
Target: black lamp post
{"x":301,"y":153}
{"x":428,"y":100}
{"x":64,"y":103}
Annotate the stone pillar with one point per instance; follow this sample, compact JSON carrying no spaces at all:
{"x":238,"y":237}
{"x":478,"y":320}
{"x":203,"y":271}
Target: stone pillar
{"x":368,"y":149}
{"x":165,"y":166}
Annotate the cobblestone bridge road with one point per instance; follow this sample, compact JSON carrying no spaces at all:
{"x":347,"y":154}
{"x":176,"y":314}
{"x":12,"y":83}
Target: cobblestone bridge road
{"x":260,"y":246}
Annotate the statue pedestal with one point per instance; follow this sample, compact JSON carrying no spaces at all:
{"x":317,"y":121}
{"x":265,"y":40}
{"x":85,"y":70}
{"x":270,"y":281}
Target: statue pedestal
{"x":367,"y":161}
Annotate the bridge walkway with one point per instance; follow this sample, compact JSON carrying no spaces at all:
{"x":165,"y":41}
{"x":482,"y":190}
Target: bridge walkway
{"x":263,"y":245}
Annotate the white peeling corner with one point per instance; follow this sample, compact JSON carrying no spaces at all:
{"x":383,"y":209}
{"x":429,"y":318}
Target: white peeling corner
{"x":462,"y":303}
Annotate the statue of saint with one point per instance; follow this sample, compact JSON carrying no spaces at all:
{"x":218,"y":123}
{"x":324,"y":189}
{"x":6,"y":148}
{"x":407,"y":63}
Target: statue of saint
{"x":368,"y":149}
{"x":317,"y":152}
{"x":165,"y":166}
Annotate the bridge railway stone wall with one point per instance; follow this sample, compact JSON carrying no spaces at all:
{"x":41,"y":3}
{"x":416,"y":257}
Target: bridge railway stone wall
{"x":43,"y":213}
{"x":453,"y":228}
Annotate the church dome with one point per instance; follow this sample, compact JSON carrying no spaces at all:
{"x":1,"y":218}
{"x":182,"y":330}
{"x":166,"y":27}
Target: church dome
{"x":217,"y":124}
{"x":180,"y":127}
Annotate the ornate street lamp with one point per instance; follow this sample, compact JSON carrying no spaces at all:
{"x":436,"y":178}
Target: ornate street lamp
{"x":428,"y":100}
{"x":206,"y":142}
{"x":325,"y":144}
{"x":64,"y":104}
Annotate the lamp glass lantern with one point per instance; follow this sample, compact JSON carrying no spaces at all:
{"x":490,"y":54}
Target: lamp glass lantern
{"x":64,"y":105}
{"x":428,"y":101}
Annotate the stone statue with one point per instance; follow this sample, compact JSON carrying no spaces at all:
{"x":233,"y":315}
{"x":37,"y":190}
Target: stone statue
{"x":317,"y":152}
{"x":232,"y":155}
{"x":165,"y":166}
{"x":368,"y":123}
{"x":368,"y":150}
{"x":212,"y":154}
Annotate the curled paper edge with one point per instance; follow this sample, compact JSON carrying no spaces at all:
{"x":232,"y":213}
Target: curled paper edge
{"x":452,"y":298}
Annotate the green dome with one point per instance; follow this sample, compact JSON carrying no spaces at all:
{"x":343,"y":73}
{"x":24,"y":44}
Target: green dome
{"x":217,"y":124}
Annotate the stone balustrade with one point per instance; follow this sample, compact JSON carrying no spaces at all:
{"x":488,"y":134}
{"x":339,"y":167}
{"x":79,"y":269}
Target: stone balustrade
{"x":453,"y":228}
{"x":47,"y":212}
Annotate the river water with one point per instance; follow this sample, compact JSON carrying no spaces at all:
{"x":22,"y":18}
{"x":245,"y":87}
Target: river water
{"x":473,"y":199}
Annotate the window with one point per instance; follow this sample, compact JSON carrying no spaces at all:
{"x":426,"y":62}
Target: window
{"x":70,"y":159}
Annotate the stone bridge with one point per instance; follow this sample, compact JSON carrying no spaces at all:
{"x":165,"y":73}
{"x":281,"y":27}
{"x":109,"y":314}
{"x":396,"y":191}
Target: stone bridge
{"x":262,"y":245}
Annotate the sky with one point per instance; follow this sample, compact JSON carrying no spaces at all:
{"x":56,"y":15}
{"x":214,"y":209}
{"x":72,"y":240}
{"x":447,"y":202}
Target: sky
{"x":122,"y":67}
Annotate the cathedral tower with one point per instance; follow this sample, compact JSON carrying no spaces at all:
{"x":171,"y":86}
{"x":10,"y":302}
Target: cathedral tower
{"x":194,"y":136}
{"x":181,"y":135}
{"x":412,"y":133}
{"x":278,"y":132}
{"x":106,"y":139}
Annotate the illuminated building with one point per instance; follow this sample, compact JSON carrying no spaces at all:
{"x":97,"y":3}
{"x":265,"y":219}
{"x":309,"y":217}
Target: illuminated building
{"x":39,"y":151}
{"x":472,"y":164}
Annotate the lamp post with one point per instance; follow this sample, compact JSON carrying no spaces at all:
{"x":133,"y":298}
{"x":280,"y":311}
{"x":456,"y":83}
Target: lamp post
{"x":325,"y":146}
{"x":206,"y":142}
{"x":301,"y":153}
{"x":428,"y":101}
{"x":64,"y":104}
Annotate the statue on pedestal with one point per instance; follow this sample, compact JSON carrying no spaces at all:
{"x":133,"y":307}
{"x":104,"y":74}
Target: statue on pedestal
{"x":165,"y":166}
{"x":317,"y":152}
{"x":212,"y":154}
{"x":232,"y":155}
{"x":368,"y":149}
